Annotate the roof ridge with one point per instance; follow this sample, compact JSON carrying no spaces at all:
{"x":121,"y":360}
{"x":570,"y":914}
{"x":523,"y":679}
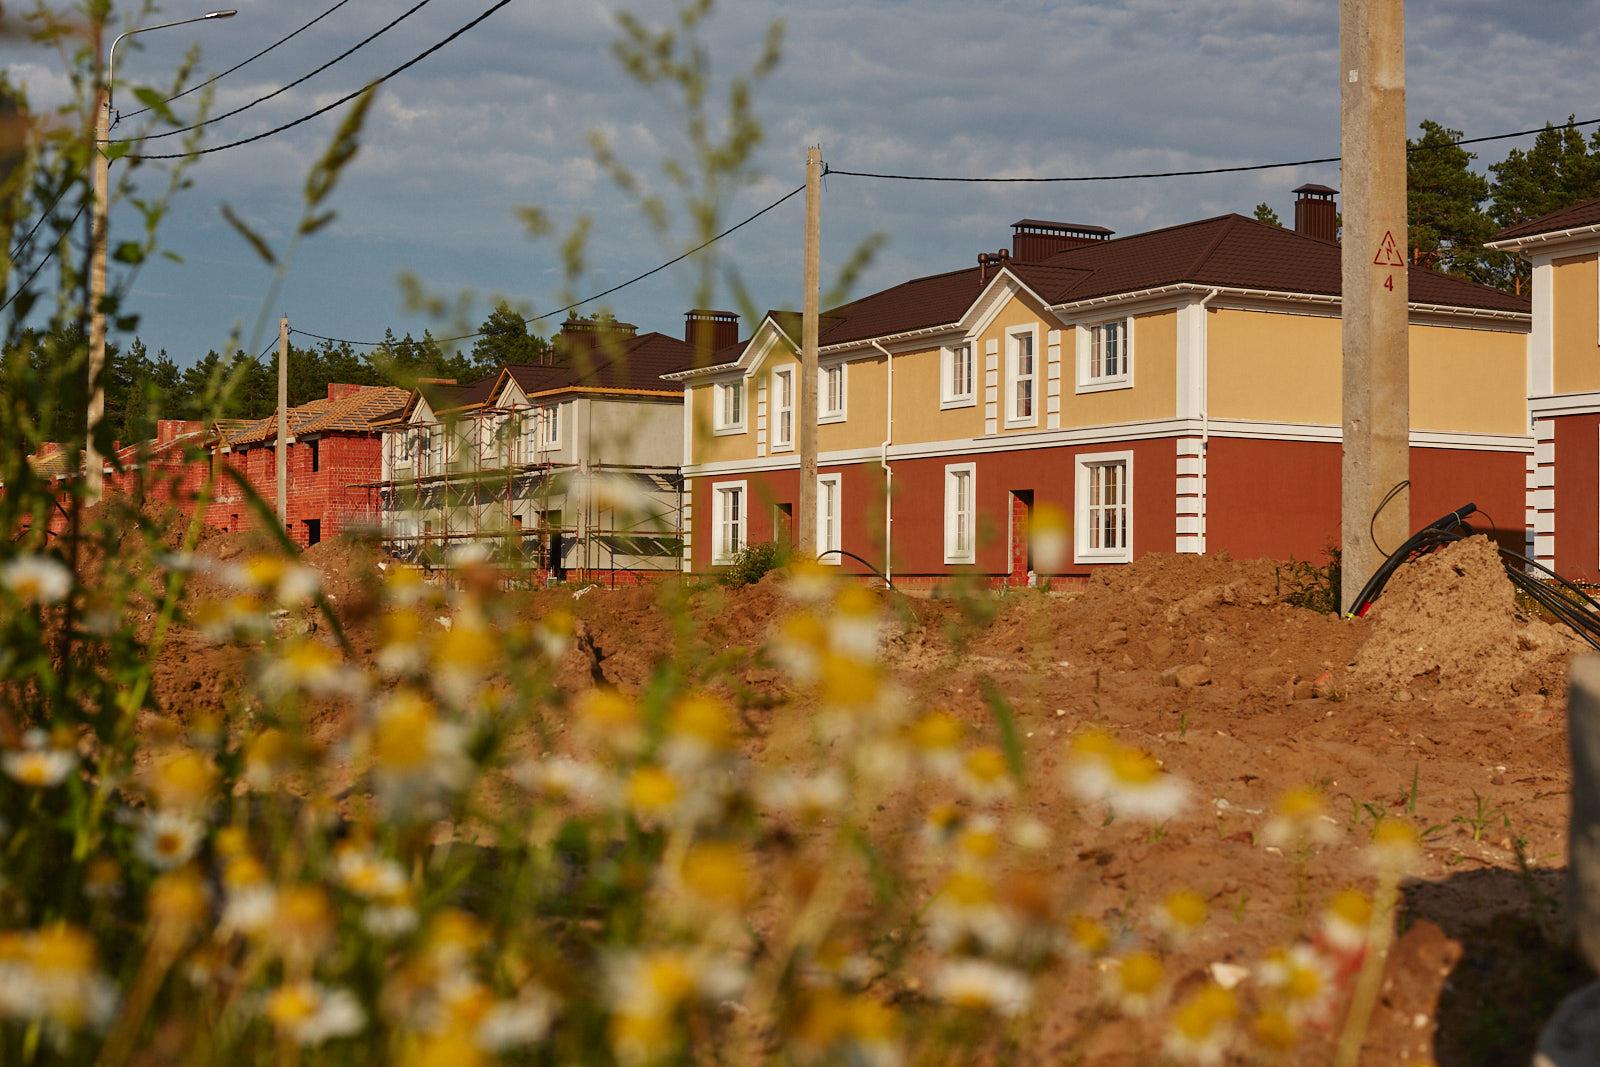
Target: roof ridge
{"x":1212,"y":246}
{"x":1089,"y":245}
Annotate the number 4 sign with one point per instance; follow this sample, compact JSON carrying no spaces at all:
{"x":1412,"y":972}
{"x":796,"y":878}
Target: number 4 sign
{"x":1388,"y":256}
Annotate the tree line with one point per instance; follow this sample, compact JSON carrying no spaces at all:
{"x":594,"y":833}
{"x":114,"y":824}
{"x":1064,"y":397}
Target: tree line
{"x":1452,"y":209}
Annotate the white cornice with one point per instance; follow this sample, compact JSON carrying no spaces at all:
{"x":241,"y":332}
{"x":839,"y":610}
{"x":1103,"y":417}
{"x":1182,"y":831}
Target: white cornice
{"x":1565,"y":404}
{"x":1536,"y":240}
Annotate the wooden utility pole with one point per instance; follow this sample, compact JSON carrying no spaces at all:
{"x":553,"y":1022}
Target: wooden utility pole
{"x":805,"y":404}
{"x":99,"y":221}
{"x":1377,"y":360}
{"x":283,"y":422}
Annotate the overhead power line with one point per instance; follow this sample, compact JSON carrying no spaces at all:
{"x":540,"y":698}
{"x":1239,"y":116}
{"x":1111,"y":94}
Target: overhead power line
{"x":43,"y":218}
{"x":747,"y":220}
{"x":244,"y":62}
{"x":1236,"y":169}
{"x":48,"y":256}
{"x":407,"y":65}
{"x":379,"y":32}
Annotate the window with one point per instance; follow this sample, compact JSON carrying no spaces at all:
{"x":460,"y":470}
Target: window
{"x":782,"y":408}
{"x":1105,"y":355}
{"x":1104,"y":506}
{"x":727,"y":520}
{"x":960,"y":509}
{"x":527,"y":435}
{"x":728,"y":407}
{"x":831,"y":393}
{"x":550,"y":418}
{"x":829,"y":503}
{"x":316,"y":454}
{"x":1023,"y":367}
{"x":957,"y":377}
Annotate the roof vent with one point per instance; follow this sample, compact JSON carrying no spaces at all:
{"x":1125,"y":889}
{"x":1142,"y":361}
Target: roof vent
{"x":589,"y":327}
{"x":1315,"y":212}
{"x":710,"y":331}
{"x":1036,"y":239}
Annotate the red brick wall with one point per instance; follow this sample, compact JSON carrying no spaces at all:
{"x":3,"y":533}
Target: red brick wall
{"x":1577,"y":497}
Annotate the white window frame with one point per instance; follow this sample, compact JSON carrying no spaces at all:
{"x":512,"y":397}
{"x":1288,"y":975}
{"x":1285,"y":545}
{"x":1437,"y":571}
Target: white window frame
{"x":825,"y":411}
{"x":1015,"y":377}
{"x":1088,"y":382}
{"x":776,"y":410}
{"x":721,"y":552}
{"x":955,"y":524}
{"x":527,"y":434}
{"x":830,"y":527}
{"x":550,"y":426}
{"x":949,"y":397}
{"x":489,"y":436}
{"x":1083,"y":552}
{"x":719,"y":406}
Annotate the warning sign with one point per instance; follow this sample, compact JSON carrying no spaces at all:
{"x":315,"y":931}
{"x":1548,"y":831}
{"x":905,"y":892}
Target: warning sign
{"x":1388,"y":253}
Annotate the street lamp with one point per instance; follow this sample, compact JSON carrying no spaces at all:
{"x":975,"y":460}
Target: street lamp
{"x":94,"y":474}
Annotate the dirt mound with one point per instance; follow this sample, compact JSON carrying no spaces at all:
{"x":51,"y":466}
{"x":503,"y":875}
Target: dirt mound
{"x":1450,"y":624}
{"x":347,"y":566}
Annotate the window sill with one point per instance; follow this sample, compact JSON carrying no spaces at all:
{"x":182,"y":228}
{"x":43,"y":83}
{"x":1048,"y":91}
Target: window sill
{"x":1023,"y":424}
{"x":1119,"y":556}
{"x":789,"y":447}
{"x":825,"y":420}
{"x":959,"y":561}
{"x":958,"y":402}
{"x":728,"y":431}
{"x":1105,"y":385}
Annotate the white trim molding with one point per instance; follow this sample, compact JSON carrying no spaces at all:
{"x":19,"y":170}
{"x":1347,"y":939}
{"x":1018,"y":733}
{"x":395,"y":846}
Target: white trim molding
{"x":948,"y":397}
{"x":1190,"y":526}
{"x":824,"y":414}
{"x":1088,"y":382}
{"x":960,"y":530}
{"x":721,"y":552}
{"x":1539,"y":510}
{"x":1014,"y":377}
{"x":1084,"y":464}
{"x":830,"y":529}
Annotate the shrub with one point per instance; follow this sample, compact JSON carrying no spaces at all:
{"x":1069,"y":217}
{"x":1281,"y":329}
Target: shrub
{"x":753,"y":563}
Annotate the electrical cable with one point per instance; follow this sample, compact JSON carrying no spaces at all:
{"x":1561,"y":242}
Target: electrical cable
{"x":43,"y":217}
{"x":1197,"y":172}
{"x":588,"y":299}
{"x":1372,"y":524}
{"x":418,"y":6}
{"x":47,"y":257}
{"x":244,"y":62}
{"x":407,"y":65}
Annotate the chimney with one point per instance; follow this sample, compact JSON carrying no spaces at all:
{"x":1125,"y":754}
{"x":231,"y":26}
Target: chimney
{"x":340,"y":390}
{"x":996,"y":259}
{"x":1315,"y":213}
{"x":583,"y":329}
{"x":171,"y":429}
{"x":48,"y":448}
{"x":1036,"y":239}
{"x":710,"y":331}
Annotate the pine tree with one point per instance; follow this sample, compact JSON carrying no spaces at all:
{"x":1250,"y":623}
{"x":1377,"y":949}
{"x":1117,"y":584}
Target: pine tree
{"x":1264,"y":213}
{"x":1445,"y":217}
{"x":504,"y":338}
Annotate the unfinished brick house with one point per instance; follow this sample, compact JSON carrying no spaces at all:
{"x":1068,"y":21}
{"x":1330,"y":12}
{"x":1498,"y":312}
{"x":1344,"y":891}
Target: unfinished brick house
{"x":155,"y":471}
{"x":334,"y":447}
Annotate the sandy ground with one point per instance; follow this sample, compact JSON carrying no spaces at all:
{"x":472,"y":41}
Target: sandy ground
{"x":1444,"y":706}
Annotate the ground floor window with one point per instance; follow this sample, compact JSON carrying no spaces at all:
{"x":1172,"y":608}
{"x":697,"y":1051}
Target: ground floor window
{"x":1104,"y":507}
{"x":729,"y":501}
{"x":960,"y":526}
{"x":828,"y":522}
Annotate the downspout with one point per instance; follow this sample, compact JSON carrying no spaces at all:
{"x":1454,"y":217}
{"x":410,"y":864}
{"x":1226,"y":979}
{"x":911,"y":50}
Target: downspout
{"x":888,"y":472}
{"x":1205,"y":418}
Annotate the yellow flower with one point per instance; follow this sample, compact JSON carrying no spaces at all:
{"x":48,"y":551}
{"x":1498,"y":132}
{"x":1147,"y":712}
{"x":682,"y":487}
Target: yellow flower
{"x":612,"y":719}
{"x":554,"y":633}
{"x":979,"y":985}
{"x":718,"y":872}
{"x":1050,"y":533}
{"x":267,"y":756}
{"x":1087,"y":938}
{"x":182,"y":779}
{"x":178,"y":904}
{"x":1396,"y":846}
{"x":1347,"y":920}
{"x":799,"y":645}
{"x":850,"y":684}
{"x":1202,"y":1026}
{"x":1129,"y":780}
{"x":1301,"y":982}
{"x":302,"y":926}
{"x":1273,"y":1031}
{"x":39,"y":764}
{"x":36,"y":579}
{"x":1299,"y":818}
{"x":652,"y":793}
{"x":985,"y":774}
{"x":1134,"y":983}
{"x":808,"y":579}
{"x":1181,"y":915}
{"x":311,"y":1014}
{"x":700,"y":728}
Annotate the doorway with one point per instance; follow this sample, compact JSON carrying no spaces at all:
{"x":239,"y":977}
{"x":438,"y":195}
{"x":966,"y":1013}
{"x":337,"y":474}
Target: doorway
{"x":1021,"y":569}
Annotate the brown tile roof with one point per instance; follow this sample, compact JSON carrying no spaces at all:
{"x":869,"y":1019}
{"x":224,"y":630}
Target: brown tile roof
{"x":1586,"y":213}
{"x":1230,"y":251}
{"x":356,"y":413}
{"x":614,"y":360}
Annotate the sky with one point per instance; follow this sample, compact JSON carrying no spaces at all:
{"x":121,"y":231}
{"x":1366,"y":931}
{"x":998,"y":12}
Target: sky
{"x":500,"y":120}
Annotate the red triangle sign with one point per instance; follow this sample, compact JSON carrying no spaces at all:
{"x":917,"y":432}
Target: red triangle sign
{"x":1388,"y":254}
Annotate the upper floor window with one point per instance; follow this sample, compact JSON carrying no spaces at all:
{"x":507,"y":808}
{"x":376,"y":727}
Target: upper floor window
{"x":1023,"y":378}
{"x":830,"y":393}
{"x":527,"y":435}
{"x":783,"y":408}
{"x":728,"y":406}
{"x":1105,"y":355}
{"x":957,"y":377}
{"x":550,"y":419}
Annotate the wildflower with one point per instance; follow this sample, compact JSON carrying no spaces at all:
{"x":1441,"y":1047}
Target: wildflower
{"x":850,"y":685}
{"x":1087,"y":938}
{"x":267,"y":756}
{"x":983,"y":986}
{"x":1300,"y":980}
{"x":554,"y":633}
{"x":612,"y":719}
{"x":182,"y":779}
{"x":1030,"y":834}
{"x":102,"y":879}
{"x":1181,"y":915}
{"x":52,"y":974}
{"x":656,"y":982}
{"x":652,"y":793}
{"x":309,"y":666}
{"x":699,"y":729}
{"x":834,"y":1027}
{"x":937,"y":738}
{"x":1299,"y":818}
{"x":251,"y":903}
{"x":808,"y":580}
{"x":809,"y":797}
{"x":1347,"y":920}
{"x":718,"y":873}
{"x":853,"y":627}
{"x":39,"y":764}
{"x":978,"y":840}
{"x":1135,"y":983}
{"x":985,"y":774}
{"x":799,"y":645}
{"x":1050,"y":534}
{"x":391,"y":917}
{"x":511,"y":1024}
{"x":311,"y":1014}
{"x":1129,"y":780}
{"x":1202,"y":1026}
{"x":368,"y":875}
{"x":463,"y":657}
{"x":1396,"y":846}
{"x":36,"y":579}
{"x":168,"y":839}
{"x":302,"y":926}
{"x":453,"y":936}
{"x":179,"y":905}
{"x":289,"y":584}
{"x":942,"y":824}
{"x":966,"y":909}
{"x":413,"y":750}
{"x":1274,"y":1031}
{"x":561,"y":780}
{"x":402,"y":641}
{"x":238,"y":616}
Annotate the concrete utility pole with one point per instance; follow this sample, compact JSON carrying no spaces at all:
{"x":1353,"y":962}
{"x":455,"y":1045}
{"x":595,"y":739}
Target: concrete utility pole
{"x":805,"y":403}
{"x":283,"y":422}
{"x":1377,"y":359}
{"x":99,"y":220}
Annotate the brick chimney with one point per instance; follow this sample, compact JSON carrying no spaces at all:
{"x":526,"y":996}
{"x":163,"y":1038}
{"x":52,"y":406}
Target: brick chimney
{"x":1315,"y":212}
{"x":340,"y":390}
{"x":1036,"y":239}
{"x":171,"y":429}
{"x":582,"y":329}
{"x":48,"y":448}
{"x":710,"y":331}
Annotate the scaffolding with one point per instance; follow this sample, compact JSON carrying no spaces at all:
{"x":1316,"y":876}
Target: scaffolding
{"x":483,"y":481}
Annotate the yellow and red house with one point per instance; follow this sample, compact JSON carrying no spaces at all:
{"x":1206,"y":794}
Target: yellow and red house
{"x":1175,"y":390}
{"x":1562,"y":504}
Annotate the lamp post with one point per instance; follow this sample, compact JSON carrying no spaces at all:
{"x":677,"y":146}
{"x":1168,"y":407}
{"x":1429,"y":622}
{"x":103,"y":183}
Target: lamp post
{"x":94,"y":475}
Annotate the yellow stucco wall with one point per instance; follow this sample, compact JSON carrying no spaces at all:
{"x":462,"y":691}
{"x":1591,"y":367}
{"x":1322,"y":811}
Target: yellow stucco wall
{"x":716,"y":448}
{"x":1019,"y":311}
{"x":1155,"y":377}
{"x":917,"y":386}
{"x":1575,"y":351}
{"x":1276,"y":367}
{"x":864,"y":401}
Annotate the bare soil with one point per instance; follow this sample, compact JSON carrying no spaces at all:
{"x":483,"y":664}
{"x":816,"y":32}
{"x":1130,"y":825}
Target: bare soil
{"x":1444,"y":706}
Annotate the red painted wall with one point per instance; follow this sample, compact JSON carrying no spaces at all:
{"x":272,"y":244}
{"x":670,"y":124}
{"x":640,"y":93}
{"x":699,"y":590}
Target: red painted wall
{"x":1577,"y":496}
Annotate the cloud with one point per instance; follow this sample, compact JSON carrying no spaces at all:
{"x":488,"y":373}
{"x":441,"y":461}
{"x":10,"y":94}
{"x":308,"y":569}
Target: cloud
{"x":500,"y":117}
